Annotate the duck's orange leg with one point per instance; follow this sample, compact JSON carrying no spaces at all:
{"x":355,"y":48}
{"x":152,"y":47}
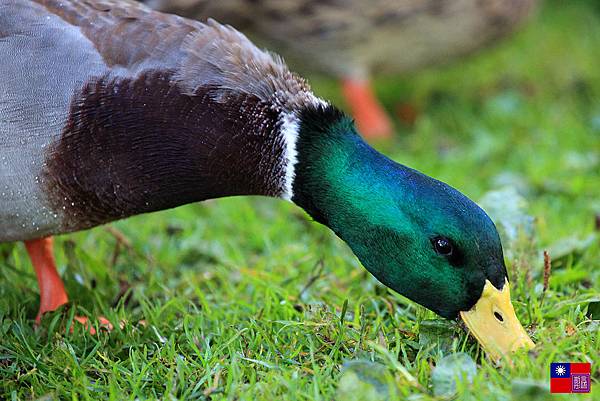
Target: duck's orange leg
{"x":52,"y":289}
{"x":371,"y":119}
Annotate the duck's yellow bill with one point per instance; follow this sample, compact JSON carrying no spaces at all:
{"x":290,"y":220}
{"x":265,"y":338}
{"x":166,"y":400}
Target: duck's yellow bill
{"x":494,"y":323}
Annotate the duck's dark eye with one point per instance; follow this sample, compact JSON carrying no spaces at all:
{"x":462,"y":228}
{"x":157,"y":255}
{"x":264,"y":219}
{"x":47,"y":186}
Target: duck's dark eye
{"x":442,"y":246}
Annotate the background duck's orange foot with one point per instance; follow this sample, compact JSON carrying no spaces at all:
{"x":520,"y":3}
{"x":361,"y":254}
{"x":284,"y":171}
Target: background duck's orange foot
{"x":103,"y":325}
{"x":371,"y":118}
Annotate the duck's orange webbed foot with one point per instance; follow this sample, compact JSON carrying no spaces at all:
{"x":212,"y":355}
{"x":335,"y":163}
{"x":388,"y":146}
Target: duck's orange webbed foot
{"x":52,"y":289}
{"x":371,"y":119}
{"x":104,"y":324}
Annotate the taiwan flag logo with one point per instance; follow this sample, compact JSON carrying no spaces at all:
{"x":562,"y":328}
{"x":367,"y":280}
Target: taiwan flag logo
{"x":570,"y":377}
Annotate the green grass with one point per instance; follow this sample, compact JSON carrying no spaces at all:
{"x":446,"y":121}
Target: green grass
{"x":245,"y":299}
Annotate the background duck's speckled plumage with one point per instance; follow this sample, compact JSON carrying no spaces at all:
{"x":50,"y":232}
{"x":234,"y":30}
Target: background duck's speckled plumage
{"x":355,"y":37}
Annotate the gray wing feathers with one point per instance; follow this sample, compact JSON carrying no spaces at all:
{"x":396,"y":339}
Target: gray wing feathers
{"x":43,"y":60}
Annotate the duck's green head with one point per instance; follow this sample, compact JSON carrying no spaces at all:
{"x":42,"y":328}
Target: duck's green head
{"x":417,"y":235}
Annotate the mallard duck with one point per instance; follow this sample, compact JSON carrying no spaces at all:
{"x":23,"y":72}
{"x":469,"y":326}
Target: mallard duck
{"x":352,"y":39}
{"x":109,"y":110}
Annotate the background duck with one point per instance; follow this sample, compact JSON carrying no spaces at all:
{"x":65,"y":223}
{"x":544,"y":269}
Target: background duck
{"x":114,"y":110}
{"x":353,"y":39}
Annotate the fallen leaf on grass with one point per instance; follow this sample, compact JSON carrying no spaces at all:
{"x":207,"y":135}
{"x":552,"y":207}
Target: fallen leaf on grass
{"x":505,"y":104}
{"x":363,"y":380}
{"x":450,"y":371}
{"x":508,"y":210}
{"x":441,"y":333}
{"x":529,"y":390}
{"x":570,"y":245}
